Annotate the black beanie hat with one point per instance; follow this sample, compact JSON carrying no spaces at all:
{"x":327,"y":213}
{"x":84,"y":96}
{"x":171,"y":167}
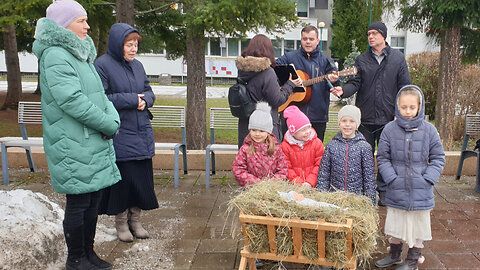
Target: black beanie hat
{"x":380,"y":27}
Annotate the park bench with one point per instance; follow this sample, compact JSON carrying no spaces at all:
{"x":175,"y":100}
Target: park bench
{"x":28,"y":113}
{"x":220,"y":118}
{"x":472,"y":128}
{"x":332,"y":124}
{"x":171,"y":117}
{"x":31,"y":113}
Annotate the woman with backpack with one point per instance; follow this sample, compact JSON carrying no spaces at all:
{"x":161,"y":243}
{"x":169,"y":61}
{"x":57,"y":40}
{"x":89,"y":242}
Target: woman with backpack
{"x":255,"y":68}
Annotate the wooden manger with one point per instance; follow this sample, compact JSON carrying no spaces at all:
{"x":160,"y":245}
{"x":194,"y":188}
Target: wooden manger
{"x":296,"y":225}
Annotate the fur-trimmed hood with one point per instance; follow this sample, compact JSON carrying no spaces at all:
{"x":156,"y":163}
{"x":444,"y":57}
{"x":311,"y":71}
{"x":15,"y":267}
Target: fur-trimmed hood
{"x":48,"y":34}
{"x":252,"y":63}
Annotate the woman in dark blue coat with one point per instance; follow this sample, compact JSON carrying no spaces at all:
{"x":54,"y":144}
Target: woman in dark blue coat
{"x":127,"y":87}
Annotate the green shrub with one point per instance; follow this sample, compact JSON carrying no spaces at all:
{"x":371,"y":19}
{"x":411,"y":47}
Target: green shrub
{"x":424,"y":71}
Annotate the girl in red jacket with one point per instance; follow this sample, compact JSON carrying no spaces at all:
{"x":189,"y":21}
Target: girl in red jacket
{"x":303,"y":149}
{"x":260,"y":155}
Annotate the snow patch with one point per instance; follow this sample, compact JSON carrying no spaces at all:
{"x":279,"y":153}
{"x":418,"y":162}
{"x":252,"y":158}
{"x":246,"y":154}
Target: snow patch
{"x":31,"y":231}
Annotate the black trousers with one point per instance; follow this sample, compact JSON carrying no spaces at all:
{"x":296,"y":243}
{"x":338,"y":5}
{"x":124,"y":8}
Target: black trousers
{"x":372,"y":135}
{"x":81,"y":207}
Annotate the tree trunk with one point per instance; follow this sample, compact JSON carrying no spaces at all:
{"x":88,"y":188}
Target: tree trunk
{"x":125,"y":12}
{"x":102,"y":41}
{"x":14,"y":77}
{"x":447,"y":93}
{"x":196,"y":91}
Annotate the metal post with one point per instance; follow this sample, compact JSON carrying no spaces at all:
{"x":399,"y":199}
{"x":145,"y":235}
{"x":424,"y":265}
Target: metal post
{"x":321,"y":25}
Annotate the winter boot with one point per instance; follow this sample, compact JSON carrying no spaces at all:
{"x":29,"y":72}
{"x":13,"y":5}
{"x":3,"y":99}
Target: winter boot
{"x":135,"y":225}
{"x":89,"y":236}
{"x":121,"y":224}
{"x":412,"y":259}
{"x":76,"y":259}
{"x":394,"y":257}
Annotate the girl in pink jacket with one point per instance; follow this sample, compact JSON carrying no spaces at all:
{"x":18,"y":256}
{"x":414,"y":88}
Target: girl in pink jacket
{"x":260,"y":155}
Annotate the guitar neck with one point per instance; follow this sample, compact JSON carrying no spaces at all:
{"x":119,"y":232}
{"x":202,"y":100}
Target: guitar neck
{"x":314,"y":80}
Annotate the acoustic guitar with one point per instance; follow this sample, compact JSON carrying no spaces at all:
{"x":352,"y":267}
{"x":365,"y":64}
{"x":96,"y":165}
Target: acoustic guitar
{"x":304,"y":97}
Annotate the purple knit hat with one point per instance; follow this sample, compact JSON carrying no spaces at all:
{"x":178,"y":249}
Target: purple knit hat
{"x":64,"y":12}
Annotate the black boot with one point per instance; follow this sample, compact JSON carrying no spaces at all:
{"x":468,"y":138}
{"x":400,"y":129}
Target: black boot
{"x":395,"y":256}
{"x":90,"y":228}
{"x":412,"y":259}
{"x":76,"y":259}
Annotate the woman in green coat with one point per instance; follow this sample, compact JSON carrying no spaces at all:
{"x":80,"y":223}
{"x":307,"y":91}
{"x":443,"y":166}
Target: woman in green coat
{"x":78,"y":124}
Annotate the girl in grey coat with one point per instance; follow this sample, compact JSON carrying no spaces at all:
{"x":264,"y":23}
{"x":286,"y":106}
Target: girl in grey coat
{"x":410,"y":158}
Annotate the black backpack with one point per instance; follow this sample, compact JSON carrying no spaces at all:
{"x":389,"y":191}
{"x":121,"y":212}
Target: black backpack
{"x":241,"y":104}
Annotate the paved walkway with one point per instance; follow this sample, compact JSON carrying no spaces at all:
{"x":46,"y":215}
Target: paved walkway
{"x":206,"y":241}
{"x":190,"y":230}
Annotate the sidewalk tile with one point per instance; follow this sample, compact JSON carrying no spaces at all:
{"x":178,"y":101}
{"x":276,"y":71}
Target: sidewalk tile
{"x":185,"y":245}
{"x":431,"y":262}
{"x":214,"y":261}
{"x":442,"y":234}
{"x":445,"y":247}
{"x":183,"y":260}
{"x":218,"y":246}
{"x":460,"y":261}
{"x":473,"y":246}
{"x":449,"y":214}
{"x":468,"y":235}
{"x":458,"y":225}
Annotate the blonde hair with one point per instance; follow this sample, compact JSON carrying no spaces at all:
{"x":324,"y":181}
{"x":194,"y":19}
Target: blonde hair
{"x":269,"y":140}
{"x":411,"y":91}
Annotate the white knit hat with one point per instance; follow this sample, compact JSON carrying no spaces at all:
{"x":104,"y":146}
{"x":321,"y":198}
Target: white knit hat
{"x":261,"y":119}
{"x":64,"y":12}
{"x":352,"y":111}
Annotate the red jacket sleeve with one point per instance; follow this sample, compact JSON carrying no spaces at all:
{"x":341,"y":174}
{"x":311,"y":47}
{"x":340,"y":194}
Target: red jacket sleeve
{"x":312,"y":176}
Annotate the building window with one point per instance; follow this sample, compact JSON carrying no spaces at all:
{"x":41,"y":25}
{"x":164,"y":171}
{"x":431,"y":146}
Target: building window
{"x":215,"y":47}
{"x":302,"y":8}
{"x":277,"y":47}
{"x":289,"y":45}
{"x":321,"y":4}
{"x":233,"y":47}
{"x":398,"y":43}
{"x":244,"y":44}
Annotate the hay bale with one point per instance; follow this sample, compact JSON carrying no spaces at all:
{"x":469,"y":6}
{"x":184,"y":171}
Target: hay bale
{"x":263,"y":199}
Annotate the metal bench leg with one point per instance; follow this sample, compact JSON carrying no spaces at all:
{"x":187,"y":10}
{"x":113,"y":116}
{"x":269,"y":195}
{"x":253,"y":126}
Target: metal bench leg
{"x":463,"y":156}
{"x":176,"y":166}
{"x":478,"y":172}
{"x":213,"y":163}
{"x":207,"y":166}
{"x":460,"y":165}
{"x":4,"y":165}
{"x":30,"y":159}
{"x":185,"y":165}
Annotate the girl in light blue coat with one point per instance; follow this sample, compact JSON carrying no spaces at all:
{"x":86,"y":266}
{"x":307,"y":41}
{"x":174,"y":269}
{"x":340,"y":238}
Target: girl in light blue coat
{"x":410,"y":158}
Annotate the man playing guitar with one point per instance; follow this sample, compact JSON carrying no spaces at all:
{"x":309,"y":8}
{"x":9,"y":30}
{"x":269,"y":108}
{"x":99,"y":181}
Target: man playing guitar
{"x":312,"y":61}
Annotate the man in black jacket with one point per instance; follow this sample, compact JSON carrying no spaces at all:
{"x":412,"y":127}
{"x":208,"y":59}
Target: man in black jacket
{"x":382,"y":71}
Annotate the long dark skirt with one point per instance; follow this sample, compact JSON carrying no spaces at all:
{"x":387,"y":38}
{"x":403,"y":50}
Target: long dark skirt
{"x":134,"y":190}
